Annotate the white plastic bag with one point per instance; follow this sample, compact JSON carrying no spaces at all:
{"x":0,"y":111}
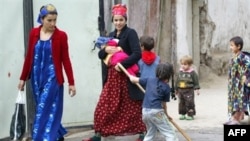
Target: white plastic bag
{"x":18,"y":121}
{"x":21,"y":99}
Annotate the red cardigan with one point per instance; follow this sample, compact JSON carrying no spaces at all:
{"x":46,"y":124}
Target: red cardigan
{"x":60,"y":55}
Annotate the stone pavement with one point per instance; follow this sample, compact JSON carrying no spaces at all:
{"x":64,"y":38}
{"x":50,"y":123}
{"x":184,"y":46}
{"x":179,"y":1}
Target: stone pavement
{"x":211,"y":107}
{"x":211,"y":134}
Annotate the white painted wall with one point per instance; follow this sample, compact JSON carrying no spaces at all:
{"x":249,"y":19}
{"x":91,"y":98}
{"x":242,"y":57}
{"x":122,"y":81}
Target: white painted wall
{"x":183,"y":28}
{"x":11,"y":56}
{"x":231,"y":18}
{"x":79,"y":20}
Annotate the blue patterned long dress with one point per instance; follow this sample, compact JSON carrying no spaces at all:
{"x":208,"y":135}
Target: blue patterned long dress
{"x":48,"y":95}
{"x":237,"y":97}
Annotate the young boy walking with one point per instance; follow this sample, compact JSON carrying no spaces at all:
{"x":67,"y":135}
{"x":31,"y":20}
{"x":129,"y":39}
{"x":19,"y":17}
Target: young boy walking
{"x":154,"y":112}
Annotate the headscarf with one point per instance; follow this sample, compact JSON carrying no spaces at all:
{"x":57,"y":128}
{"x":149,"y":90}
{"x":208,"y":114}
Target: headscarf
{"x":119,"y":9}
{"x":45,"y":10}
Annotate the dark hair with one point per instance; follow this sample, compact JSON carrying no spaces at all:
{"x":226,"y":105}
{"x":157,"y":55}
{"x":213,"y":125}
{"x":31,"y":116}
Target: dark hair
{"x":112,"y":18}
{"x":147,"y":42}
{"x":164,"y":71}
{"x":238,"y":41}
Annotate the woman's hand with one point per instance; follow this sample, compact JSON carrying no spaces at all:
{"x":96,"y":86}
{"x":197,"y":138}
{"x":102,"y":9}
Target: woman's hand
{"x":72,"y":90}
{"x":117,"y":68}
{"x":112,"y":49}
{"x":21,"y":85}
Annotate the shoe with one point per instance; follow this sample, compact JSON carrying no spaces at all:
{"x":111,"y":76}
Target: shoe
{"x":189,"y":118}
{"x":94,"y":138}
{"x":182,"y":117}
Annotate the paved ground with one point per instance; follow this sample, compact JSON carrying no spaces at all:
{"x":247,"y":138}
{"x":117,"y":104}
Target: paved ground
{"x":207,"y":134}
{"x":211,"y":106}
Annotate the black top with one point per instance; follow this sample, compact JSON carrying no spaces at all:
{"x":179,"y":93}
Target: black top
{"x":129,"y":42}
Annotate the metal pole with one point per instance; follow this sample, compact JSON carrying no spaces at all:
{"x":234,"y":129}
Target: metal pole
{"x":27,"y":25}
{"x":101,"y":27}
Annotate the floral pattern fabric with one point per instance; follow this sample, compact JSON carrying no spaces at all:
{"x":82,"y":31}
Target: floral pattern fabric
{"x":237,"y":96}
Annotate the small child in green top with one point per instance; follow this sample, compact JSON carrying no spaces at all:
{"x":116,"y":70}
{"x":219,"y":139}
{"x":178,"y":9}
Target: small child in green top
{"x":186,"y":83}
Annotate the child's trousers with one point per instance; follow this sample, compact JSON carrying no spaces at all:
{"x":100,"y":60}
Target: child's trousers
{"x":186,"y":102}
{"x":156,"y":120}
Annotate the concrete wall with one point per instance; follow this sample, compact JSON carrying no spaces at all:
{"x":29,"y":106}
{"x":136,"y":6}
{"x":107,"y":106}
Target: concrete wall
{"x":218,"y":22}
{"x":79,"y":20}
{"x":11,"y":56}
{"x":183,"y":28}
{"x":231,"y":18}
{"x":221,"y":20}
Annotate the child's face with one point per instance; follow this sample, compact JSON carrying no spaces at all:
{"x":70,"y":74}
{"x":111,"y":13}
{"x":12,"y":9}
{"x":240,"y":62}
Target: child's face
{"x":235,"y":49}
{"x":185,"y":66}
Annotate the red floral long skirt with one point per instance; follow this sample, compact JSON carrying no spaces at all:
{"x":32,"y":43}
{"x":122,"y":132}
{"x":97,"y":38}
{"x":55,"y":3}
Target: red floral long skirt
{"x":116,"y":114}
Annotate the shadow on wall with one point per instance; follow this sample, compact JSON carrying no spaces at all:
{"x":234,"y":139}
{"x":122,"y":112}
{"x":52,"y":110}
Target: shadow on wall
{"x":218,"y":62}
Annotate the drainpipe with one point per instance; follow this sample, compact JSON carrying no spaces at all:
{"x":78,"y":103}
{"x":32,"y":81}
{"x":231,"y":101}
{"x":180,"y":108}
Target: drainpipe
{"x":101,"y":23}
{"x":101,"y":28}
{"x":27,"y":25}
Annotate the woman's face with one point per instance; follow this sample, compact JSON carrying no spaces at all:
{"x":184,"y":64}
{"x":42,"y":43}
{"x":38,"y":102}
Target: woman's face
{"x":119,"y":22}
{"x":49,"y":22}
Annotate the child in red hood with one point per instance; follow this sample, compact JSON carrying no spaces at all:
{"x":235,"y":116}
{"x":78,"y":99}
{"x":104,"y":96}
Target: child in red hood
{"x":149,"y":60}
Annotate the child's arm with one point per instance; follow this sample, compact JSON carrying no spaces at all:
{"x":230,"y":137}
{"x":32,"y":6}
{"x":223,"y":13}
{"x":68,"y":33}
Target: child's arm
{"x":196,"y":82}
{"x":164,"y":105}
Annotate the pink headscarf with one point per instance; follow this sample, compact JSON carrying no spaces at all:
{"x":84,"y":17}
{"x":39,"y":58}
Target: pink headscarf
{"x":119,"y":9}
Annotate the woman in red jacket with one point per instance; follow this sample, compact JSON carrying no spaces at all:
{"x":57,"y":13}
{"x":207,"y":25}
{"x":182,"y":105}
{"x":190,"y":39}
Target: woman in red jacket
{"x":46,"y":57}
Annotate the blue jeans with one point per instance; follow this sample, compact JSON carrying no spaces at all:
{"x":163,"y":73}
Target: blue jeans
{"x":156,"y":120}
